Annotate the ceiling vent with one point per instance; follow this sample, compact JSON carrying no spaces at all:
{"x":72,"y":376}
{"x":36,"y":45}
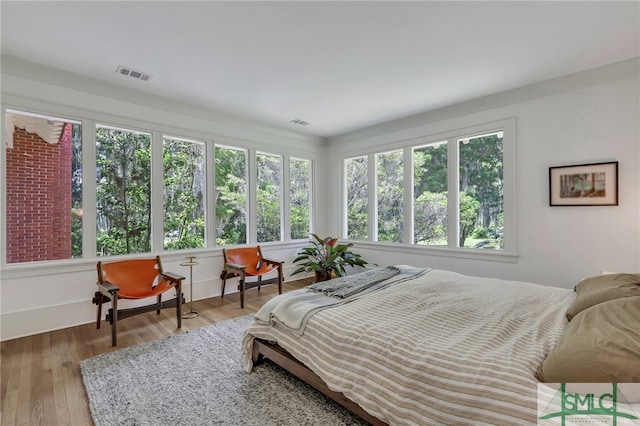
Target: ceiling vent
{"x":299,"y":122}
{"x":130,"y":72}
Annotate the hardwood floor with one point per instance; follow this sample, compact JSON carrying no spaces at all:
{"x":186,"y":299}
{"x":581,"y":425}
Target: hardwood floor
{"x":40,"y":382}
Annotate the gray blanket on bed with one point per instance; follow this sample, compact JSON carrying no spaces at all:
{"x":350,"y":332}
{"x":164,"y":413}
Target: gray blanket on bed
{"x":351,"y":284}
{"x":294,"y":308}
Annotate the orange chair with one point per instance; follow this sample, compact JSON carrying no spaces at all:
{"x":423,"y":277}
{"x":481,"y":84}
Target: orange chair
{"x":135,"y":279}
{"x":248,"y":262}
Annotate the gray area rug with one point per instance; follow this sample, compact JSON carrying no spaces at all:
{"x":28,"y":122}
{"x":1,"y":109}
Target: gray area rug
{"x":196,"y":378}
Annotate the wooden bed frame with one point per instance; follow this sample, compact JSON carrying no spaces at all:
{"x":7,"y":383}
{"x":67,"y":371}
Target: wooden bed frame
{"x":263,"y":349}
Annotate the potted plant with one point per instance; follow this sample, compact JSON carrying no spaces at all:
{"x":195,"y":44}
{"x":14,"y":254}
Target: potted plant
{"x":326,"y":259}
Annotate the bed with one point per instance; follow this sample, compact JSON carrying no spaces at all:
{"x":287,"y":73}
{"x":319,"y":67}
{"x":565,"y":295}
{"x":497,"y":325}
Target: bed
{"x":435,"y":348}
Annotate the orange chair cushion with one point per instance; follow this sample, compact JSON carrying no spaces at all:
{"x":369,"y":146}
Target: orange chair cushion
{"x":249,"y":257}
{"x":135,"y":278}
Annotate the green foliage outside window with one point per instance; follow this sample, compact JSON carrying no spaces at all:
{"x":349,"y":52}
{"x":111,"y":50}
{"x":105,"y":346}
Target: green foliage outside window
{"x":481,"y":177}
{"x":76,"y":190}
{"x":389,"y":169}
{"x":430,"y":219}
{"x":430,"y":176}
{"x":300,"y":187}
{"x":269,"y":197}
{"x":184,"y":188}
{"x":231,"y":196}
{"x":357,"y":198}
{"x":480,"y":193}
{"x":123,"y":192}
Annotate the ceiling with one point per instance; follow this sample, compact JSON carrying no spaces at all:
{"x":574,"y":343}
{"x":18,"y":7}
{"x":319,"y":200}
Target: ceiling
{"x":341,"y":66}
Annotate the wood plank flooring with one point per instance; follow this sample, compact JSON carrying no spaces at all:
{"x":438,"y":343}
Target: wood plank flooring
{"x":40,"y":381}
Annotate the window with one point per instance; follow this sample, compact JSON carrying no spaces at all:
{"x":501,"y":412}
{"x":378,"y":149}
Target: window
{"x":123,"y":191}
{"x":269,"y":197}
{"x":300,"y":197}
{"x":151,"y":192}
{"x":430,"y":182}
{"x":357,"y":198}
{"x":389,"y":190}
{"x":43,"y":179}
{"x":231,"y":195}
{"x":184,"y":189}
{"x":458,"y":186}
{"x":481,"y":220}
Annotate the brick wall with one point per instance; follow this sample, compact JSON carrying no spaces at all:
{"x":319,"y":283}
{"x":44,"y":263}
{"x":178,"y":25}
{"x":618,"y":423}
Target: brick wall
{"x":38,"y":215}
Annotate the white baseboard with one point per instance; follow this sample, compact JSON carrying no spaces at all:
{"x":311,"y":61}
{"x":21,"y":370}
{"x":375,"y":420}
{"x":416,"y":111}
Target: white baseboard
{"x":35,"y":321}
{"x":29,"y":322}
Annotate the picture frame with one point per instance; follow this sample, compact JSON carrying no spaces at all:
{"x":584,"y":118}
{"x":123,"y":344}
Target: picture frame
{"x":594,"y":184}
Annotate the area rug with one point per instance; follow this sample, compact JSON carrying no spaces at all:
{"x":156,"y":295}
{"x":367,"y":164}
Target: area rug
{"x":196,"y":378}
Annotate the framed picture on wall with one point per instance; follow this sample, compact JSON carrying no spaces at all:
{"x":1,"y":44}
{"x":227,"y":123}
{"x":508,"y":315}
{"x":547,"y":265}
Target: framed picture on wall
{"x":584,"y":185}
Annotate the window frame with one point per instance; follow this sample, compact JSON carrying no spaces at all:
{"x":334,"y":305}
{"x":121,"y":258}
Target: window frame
{"x":250,"y":176}
{"x":409,"y":217}
{"x":205,"y":148}
{"x":35,"y":112}
{"x":344,"y":196}
{"x":376,"y":158}
{"x":287,"y":196}
{"x":284,"y":191}
{"x":156,"y":182}
{"x":451,"y":137}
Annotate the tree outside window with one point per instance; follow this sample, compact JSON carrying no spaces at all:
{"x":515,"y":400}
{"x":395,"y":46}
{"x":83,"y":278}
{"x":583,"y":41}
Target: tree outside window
{"x":269,"y":197}
{"x":481,"y":191}
{"x":123,"y":191}
{"x":184,"y":189}
{"x":231,"y":195}
{"x":300,"y":198}
{"x":389,"y":190}
{"x":430,"y":180}
{"x":478,"y":196}
{"x":357,"y":198}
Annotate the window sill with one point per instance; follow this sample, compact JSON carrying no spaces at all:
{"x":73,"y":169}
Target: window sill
{"x":459,"y":253}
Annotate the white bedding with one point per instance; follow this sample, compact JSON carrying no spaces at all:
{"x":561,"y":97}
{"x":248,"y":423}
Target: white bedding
{"x":440,"y":349}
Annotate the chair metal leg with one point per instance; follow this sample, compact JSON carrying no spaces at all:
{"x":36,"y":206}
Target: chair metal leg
{"x":159,"y":303}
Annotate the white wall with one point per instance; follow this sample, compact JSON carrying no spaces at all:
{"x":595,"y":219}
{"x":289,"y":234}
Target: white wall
{"x":43,"y":296}
{"x":584,"y":118}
